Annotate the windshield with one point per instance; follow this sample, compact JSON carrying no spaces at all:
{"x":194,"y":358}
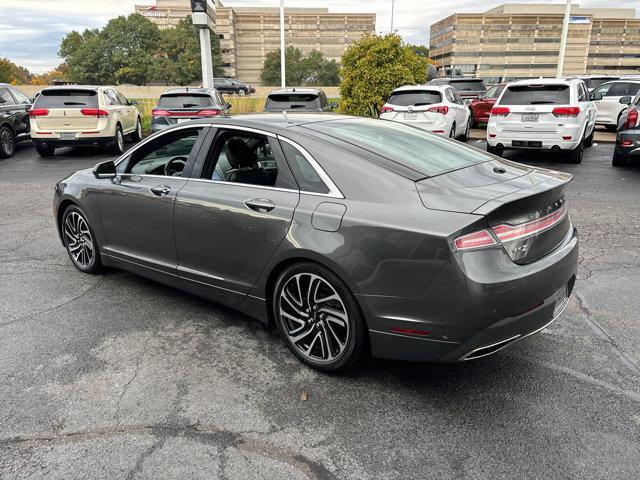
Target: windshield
{"x":67,"y":98}
{"x":414,"y":98}
{"x":536,"y":95}
{"x":292,"y":101}
{"x":596,"y":82}
{"x":408,"y":146}
{"x":184,"y":100}
{"x":468,"y":85}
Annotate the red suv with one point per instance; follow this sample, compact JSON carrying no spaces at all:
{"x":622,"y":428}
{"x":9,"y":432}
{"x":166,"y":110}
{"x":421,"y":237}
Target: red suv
{"x":481,"y":107}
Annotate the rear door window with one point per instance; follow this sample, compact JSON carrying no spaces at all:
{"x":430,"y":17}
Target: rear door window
{"x":536,"y":95}
{"x":5,"y":97}
{"x":306,"y":176}
{"x":179,"y":100}
{"x":20,"y":97}
{"x":623,"y":89}
{"x":415,"y":98}
{"x":292,"y":100}
{"x":67,"y":99}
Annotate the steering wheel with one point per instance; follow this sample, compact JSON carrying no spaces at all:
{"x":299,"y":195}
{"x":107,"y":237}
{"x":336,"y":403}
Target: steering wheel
{"x":175,"y":165}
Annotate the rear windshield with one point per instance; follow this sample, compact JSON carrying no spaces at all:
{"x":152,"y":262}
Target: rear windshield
{"x":184,"y":100}
{"x":536,"y":95}
{"x":426,"y":153}
{"x":468,"y":85}
{"x":292,"y":100}
{"x":67,"y":99}
{"x":414,"y":98}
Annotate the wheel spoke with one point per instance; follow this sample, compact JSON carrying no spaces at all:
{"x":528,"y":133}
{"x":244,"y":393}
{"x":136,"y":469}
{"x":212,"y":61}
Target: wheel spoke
{"x":325,"y":342}
{"x":334,"y":315}
{"x":303,"y":335}
{"x":335,"y":337}
{"x":291,"y":317}
{"x":293,"y":303}
{"x":313,"y":342}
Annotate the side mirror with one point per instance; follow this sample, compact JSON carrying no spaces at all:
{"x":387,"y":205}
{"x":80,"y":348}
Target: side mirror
{"x":133,"y":102}
{"x":105,"y":170}
{"x":596,"y":96}
{"x":625,"y":100}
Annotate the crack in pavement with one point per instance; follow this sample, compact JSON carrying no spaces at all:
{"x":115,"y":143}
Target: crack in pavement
{"x":126,"y":386}
{"x":604,"y":335}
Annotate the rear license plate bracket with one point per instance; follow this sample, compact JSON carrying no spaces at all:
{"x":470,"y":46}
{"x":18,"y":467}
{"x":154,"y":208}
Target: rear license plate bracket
{"x":410,"y":116}
{"x":67,"y":136}
{"x":529,"y":117}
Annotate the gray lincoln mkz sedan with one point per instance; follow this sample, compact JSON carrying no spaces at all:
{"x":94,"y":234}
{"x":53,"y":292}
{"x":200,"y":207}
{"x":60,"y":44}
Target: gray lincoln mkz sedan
{"x":347,"y":233}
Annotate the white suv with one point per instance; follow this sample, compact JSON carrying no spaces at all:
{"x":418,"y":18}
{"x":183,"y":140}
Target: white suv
{"x":612,"y":98}
{"x":548,"y":114}
{"x":437,"y":109}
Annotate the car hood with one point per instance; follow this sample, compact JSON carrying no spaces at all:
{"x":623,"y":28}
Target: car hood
{"x":483,"y":187}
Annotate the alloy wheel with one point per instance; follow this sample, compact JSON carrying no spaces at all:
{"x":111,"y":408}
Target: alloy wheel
{"x":314,"y":317}
{"x":7,"y":142}
{"x":78,"y":239}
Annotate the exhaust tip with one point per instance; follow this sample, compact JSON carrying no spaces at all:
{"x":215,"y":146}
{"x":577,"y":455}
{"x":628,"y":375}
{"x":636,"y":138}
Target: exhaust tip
{"x":555,"y":148}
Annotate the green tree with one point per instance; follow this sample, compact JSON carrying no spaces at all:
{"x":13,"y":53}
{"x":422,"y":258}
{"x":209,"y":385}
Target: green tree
{"x":312,"y":69}
{"x":12,"y":73}
{"x":177,"y":59}
{"x":420,"y":50}
{"x":372,"y":68}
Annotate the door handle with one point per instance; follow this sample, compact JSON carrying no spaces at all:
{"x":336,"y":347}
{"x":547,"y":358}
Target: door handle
{"x":260,"y":204}
{"x":160,"y":190}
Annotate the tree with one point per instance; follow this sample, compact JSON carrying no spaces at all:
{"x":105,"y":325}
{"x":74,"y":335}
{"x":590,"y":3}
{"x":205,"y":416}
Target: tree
{"x":420,"y":50}
{"x":133,"y":50}
{"x":373,"y":67}
{"x":48,"y":78}
{"x":312,"y":69}
{"x":12,"y":73}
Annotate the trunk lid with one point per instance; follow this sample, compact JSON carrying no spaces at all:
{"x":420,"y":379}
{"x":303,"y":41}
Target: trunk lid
{"x":64,"y":107}
{"x":66,"y":119}
{"x":525,"y":207}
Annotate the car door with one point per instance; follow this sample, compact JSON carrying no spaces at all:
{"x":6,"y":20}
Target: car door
{"x":484,"y":105}
{"x":460,"y":110}
{"x":136,"y":208}
{"x":129,"y":112}
{"x":609,"y":105}
{"x":23,"y":105}
{"x":232,"y":215}
{"x":586,"y":106}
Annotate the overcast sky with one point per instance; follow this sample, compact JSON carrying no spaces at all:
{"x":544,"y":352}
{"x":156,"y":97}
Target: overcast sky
{"x":31,"y":30}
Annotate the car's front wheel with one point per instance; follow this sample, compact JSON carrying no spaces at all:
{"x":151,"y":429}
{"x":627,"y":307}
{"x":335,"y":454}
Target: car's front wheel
{"x":7,"y":143}
{"x":80,"y":241}
{"x":318,"y":317}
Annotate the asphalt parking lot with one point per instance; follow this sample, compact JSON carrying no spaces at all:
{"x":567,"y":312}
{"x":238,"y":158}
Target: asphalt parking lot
{"x":116,"y":376}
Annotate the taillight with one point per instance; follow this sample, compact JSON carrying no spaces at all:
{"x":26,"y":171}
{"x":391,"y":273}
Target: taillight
{"x":500,"y":111}
{"x":94,"y":112}
{"x":158,"y":112}
{"x":443,"y":109}
{"x":632,"y":119}
{"x":386,"y":109}
{"x":566,"y":111}
{"x":38,"y":112}
{"x":507,"y":233}
{"x":479,"y":239}
{"x":209,"y":113}
{"x":626,"y":143}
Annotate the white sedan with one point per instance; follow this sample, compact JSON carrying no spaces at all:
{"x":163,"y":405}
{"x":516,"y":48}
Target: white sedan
{"x":436,"y":109}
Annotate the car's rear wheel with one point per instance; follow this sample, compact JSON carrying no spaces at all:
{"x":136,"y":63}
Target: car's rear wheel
{"x":611,"y":128}
{"x":588,"y":142}
{"x":452,"y":133}
{"x":318,"y":317}
{"x":619,"y":160}
{"x":117,"y":147}
{"x":136,"y":136}
{"x":465,"y":135}
{"x":7,"y":142}
{"x":45,"y":150}
{"x":80,"y":241}
{"x":495,"y":150}
{"x":575,"y":155}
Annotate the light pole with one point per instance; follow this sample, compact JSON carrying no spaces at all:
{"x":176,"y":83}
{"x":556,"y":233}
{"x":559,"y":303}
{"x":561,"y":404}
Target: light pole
{"x":563,"y":41}
{"x":200,"y":17}
{"x":283,"y":71}
{"x":393,"y":7}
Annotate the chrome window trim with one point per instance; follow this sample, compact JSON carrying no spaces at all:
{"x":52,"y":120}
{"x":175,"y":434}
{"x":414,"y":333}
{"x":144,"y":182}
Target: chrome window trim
{"x":334,"y":191}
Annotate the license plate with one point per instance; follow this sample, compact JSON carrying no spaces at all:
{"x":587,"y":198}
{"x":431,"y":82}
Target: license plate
{"x":561,"y":298}
{"x":529,"y":117}
{"x":67,"y":136}
{"x":410,"y":116}
{"x":182,"y":120}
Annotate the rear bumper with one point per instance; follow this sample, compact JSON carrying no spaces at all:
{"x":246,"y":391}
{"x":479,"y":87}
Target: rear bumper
{"x":480,"y":303}
{"x":629,"y":151}
{"x":441,"y":127}
{"x":80,"y":142}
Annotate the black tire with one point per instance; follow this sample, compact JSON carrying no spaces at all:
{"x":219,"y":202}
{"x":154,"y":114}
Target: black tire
{"x":611,"y":128}
{"x":117,"y":146}
{"x":588,"y":142}
{"x":465,"y":135}
{"x":498,"y":151}
{"x":575,"y":155}
{"x":472,"y":120}
{"x":136,"y":136}
{"x":80,"y":241}
{"x":45,"y":152}
{"x":619,"y":160}
{"x":7,"y":142}
{"x":318,"y":327}
{"x":452,"y":133}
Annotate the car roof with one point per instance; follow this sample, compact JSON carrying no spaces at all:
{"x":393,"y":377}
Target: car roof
{"x":295,"y":90}
{"x":188,"y":90}
{"x":74,"y":87}
{"x":427,"y":87}
{"x":545,"y":81}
